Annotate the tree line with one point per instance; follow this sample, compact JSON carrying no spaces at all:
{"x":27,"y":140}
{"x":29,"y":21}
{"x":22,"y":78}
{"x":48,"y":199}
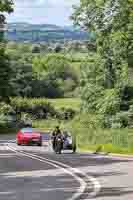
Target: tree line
{"x":32,"y":71}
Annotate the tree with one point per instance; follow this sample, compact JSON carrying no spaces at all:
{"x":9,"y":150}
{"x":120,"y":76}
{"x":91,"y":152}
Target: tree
{"x":6,"y":6}
{"x":111,"y":22}
{"x":57,"y":48}
{"x":21,"y":79}
{"x":36,"y":48}
{"x":5,"y":70}
{"x":52,"y":73}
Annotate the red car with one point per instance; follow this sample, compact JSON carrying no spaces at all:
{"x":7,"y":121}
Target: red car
{"x":29,"y":136}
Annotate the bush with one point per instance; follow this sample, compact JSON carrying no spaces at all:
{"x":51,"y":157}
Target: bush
{"x":40,"y":108}
{"x":37,"y":108}
{"x":42,"y":111}
{"x":65,"y":114}
{"x":5,"y":109}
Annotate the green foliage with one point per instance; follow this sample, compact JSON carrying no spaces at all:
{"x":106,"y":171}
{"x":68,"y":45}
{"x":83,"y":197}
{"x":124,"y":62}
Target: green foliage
{"x":130,"y":117}
{"x":91,"y":135}
{"x":109,"y":102}
{"x":43,"y":74}
{"x":6,"y":6}
{"x":7,"y":115}
{"x":103,"y":81}
{"x":54,"y":74}
{"x":5,"y":109}
{"x":5,"y":73}
{"x":36,"y":49}
{"x":21,"y":79}
{"x":67,"y":103}
{"x":5,"y":70}
{"x":40,"y":108}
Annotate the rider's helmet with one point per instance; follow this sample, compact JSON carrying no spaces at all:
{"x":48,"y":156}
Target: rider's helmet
{"x":58,"y":131}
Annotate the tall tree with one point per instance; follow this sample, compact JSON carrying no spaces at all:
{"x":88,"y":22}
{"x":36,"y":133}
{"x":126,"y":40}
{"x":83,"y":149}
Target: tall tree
{"x":108,"y":75}
{"x":5,"y":70}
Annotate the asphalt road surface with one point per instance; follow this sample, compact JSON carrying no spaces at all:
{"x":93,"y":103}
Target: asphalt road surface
{"x":36,"y":173}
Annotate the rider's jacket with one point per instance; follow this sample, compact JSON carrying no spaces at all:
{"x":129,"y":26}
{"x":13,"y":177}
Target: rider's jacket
{"x":56,"y":133}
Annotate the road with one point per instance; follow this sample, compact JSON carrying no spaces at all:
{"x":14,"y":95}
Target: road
{"x":36,"y":173}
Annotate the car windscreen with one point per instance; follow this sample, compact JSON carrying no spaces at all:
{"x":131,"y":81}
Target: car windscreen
{"x":27,"y":130}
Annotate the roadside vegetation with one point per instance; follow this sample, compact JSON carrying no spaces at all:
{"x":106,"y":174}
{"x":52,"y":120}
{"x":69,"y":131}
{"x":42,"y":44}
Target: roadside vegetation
{"x":85,"y":86}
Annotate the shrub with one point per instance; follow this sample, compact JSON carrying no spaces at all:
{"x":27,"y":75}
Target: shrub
{"x":41,"y":109}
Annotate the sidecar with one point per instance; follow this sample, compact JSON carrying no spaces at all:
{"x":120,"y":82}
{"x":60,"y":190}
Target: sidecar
{"x":69,"y":142}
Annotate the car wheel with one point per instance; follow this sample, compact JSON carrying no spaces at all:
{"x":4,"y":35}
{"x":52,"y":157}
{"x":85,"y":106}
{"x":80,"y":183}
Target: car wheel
{"x":18,"y":143}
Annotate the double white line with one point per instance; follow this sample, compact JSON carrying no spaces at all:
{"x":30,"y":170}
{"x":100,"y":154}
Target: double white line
{"x":83,"y":179}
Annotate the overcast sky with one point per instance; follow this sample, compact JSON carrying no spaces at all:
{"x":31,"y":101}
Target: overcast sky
{"x":43,"y":11}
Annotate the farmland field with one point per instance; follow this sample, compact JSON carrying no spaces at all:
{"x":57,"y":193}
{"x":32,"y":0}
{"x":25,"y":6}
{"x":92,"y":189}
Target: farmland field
{"x":66,"y":103}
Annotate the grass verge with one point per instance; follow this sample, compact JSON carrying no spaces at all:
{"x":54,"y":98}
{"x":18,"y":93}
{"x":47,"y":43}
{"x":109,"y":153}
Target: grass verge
{"x":118,"y":141}
{"x":106,"y":148}
{"x":8,"y":130}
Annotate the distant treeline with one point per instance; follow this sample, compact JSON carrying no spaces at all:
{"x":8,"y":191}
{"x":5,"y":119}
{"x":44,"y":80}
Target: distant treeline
{"x":37,"y":33}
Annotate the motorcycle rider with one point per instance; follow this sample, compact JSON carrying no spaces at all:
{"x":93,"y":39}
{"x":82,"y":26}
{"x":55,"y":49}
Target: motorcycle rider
{"x":56,"y":134}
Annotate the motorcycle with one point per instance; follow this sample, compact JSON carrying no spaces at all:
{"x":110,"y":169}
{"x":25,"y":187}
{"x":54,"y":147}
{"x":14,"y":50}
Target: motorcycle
{"x":58,"y":146}
{"x":64,"y":142}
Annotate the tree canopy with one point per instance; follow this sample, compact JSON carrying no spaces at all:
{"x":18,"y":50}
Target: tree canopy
{"x":5,"y":70}
{"x":105,"y":80}
{"x":6,"y":6}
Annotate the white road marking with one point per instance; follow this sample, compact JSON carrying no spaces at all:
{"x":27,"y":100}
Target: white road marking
{"x":4,"y":148}
{"x":71,"y":171}
{"x":60,"y":189}
{"x":83,"y":184}
{"x":95,"y":183}
{"x":1,"y":193}
{"x":3,"y":155}
{"x":75,"y":173}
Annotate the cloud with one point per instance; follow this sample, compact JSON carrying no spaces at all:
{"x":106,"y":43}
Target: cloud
{"x":43,"y":11}
{"x":45,"y":3}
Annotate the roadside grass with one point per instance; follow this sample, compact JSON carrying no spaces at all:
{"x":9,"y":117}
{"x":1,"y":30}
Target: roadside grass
{"x":118,"y":141}
{"x":77,"y":67}
{"x":106,"y":140}
{"x":105,"y":148}
{"x":5,"y":130}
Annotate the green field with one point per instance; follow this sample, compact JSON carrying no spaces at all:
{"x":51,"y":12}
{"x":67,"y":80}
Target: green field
{"x":73,"y":103}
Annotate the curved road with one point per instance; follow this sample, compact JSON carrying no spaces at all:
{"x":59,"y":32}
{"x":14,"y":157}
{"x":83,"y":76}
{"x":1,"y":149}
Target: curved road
{"x":36,"y":173}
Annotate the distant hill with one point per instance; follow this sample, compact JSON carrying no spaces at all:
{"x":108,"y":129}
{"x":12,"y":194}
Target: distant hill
{"x":43,"y":32}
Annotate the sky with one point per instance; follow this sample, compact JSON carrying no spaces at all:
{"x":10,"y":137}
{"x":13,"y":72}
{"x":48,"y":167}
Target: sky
{"x":43,"y":11}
